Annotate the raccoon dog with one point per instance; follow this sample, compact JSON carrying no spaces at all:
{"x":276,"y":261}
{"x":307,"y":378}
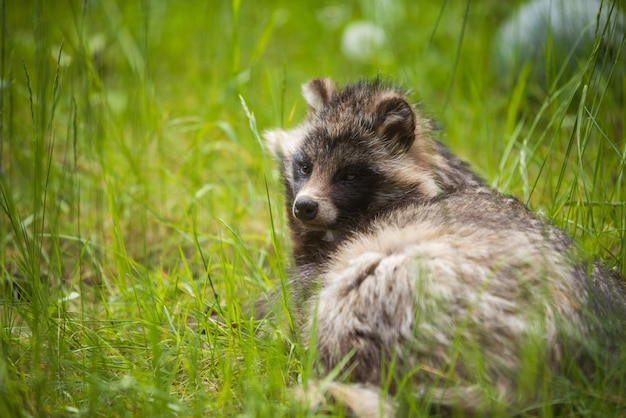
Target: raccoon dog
{"x":413,"y":272}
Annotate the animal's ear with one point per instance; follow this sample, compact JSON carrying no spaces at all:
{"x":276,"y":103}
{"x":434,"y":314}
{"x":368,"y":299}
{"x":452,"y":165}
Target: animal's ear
{"x":396,"y":122}
{"x":318,"y":93}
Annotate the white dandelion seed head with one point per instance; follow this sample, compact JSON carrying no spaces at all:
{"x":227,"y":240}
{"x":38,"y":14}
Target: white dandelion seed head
{"x":362,"y":40}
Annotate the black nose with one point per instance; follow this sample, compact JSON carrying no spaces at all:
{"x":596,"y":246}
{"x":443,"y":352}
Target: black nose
{"x":305,"y":209}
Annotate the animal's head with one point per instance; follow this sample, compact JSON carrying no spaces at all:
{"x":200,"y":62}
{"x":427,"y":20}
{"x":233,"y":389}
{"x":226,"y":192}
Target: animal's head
{"x":360,"y":150}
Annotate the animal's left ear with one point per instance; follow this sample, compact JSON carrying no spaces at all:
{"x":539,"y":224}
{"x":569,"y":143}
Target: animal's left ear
{"x":396,"y":122}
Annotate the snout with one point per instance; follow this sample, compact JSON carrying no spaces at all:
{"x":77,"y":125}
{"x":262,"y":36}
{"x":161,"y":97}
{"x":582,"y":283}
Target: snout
{"x":313,"y":211}
{"x":305,"y":209}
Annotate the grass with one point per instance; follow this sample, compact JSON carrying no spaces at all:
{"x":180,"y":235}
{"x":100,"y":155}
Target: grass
{"x":141,"y":217}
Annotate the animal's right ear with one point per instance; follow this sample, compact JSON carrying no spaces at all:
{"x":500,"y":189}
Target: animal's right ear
{"x":318,"y":93}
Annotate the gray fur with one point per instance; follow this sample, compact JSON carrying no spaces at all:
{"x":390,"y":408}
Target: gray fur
{"x":437,"y":277}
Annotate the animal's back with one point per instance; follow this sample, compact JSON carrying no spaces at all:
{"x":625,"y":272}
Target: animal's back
{"x":457,"y":288}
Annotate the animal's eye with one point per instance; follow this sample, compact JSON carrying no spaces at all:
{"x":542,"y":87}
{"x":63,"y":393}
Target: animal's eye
{"x":305,"y":169}
{"x":349,"y":176}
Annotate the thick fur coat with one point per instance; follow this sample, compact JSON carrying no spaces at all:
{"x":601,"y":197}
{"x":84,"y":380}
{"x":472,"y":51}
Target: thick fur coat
{"x":416,"y":273}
